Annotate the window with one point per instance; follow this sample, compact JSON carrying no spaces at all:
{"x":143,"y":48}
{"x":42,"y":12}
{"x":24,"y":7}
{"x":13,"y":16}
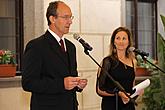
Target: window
{"x":141,"y":18}
{"x":11,"y":27}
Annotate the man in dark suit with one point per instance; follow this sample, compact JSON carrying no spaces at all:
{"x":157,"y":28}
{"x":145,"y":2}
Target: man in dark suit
{"x":49,"y":67}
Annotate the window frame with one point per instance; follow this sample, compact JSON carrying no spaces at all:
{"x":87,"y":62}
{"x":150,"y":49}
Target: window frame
{"x":17,"y":31}
{"x":134,"y":24}
{"x":20,"y":33}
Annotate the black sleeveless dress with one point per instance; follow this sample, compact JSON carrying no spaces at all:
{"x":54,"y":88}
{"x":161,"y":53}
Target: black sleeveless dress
{"x":122,"y":73}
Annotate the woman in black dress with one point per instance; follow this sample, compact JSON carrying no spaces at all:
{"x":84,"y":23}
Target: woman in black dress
{"x":120,"y":65}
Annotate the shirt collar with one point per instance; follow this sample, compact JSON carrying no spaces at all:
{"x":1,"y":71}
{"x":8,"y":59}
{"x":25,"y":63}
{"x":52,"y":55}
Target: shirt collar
{"x":56,"y":36}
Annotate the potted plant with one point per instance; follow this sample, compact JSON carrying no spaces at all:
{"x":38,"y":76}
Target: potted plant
{"x":161,"y":56}
{"x":7,"y":63}
{"x":144,"y":68}
{"x":154,"y":97}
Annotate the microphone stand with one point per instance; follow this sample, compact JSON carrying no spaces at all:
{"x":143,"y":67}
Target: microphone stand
{"x":117,"y":84}
{"x":145,"y":59}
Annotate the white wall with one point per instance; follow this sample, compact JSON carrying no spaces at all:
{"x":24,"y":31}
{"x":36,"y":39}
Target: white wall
{"x":93,"y":16}
{"x":14,"y":98}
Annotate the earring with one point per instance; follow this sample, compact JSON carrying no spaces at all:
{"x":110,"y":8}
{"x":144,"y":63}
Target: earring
{"x":114,"y":50}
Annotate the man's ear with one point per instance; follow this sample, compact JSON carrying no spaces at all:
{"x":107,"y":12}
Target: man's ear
{"x":52,"y":19}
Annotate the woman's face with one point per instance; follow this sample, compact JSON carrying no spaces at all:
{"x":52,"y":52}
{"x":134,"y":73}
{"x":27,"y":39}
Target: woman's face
{"x":121,"y":40}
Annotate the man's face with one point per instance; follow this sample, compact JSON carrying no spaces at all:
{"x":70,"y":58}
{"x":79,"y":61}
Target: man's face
{"x":63,"y":20}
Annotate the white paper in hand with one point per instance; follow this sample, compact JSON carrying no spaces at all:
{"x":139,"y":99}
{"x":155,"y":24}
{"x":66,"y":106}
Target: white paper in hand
{"x":139,"y":87}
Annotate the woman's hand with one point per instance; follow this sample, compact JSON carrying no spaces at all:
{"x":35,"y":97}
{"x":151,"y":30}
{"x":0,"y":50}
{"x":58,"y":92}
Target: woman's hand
{"x":124,"y":98}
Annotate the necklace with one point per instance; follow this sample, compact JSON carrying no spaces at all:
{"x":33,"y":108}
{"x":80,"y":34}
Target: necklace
{"x":123,"y":60}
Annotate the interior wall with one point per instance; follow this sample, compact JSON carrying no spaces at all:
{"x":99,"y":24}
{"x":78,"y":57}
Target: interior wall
{"x":34,"y":17}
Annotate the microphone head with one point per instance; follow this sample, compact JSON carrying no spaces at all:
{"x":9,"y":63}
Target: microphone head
{"x":76,"y":36}
{"x":131,"y":49}
{"x":140,"y":52}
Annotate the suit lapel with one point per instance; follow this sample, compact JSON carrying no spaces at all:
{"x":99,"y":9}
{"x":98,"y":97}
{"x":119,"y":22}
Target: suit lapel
{"x":54,"y":45}
{"x":69,"y":53}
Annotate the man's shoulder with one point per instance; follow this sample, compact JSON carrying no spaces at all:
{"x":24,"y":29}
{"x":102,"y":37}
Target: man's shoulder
{"x":36,"y":41}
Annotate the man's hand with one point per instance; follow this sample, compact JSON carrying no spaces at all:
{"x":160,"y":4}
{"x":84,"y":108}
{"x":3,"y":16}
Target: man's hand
{"x":71,"y":82}
{"x":82,"y":83}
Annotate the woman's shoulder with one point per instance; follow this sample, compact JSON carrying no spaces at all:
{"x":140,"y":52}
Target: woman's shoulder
{"x":108,"y":58}
{"x":111,"y":60}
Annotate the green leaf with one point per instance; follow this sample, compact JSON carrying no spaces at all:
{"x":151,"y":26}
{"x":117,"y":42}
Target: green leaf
{"x":163,"y":20}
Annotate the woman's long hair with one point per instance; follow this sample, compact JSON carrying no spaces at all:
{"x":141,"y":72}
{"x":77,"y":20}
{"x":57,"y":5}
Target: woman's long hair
{"x":113,"y":51}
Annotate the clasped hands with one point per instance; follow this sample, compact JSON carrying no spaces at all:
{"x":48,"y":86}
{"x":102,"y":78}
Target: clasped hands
{"x":72,"y":82}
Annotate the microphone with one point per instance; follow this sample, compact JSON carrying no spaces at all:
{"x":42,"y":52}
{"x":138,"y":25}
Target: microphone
{"x":84,"y":44}
{"x":140,"y":52}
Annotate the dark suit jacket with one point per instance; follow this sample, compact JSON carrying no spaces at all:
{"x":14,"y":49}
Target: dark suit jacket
{"x":44,"y":69}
